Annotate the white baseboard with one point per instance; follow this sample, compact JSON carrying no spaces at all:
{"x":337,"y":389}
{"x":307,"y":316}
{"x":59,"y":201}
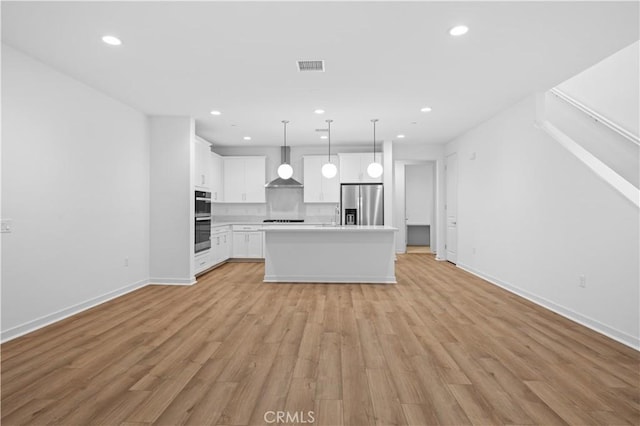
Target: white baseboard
{"x":289,"y":279}
{"x":45,"y":320}
{"x":617,"y":335}
{"x":172,"y":281}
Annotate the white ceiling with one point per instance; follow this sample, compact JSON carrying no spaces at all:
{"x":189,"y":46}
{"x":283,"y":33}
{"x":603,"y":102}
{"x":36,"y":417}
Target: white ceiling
{"x":384,"y":60}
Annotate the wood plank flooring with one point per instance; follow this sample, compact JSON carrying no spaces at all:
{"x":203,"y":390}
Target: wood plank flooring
{"x":440,"y":347}
{"x":418,"y":249}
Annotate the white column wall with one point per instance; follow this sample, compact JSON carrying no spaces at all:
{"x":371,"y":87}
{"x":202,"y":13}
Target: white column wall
{"x":387,"y":180}
{"x":172,"y":200}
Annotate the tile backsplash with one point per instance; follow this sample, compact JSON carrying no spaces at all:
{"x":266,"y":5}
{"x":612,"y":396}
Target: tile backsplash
{"x":282,"y":203}
{"x":285,"y":203}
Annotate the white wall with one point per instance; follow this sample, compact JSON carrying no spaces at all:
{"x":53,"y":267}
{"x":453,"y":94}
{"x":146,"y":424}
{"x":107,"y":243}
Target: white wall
{"x":172,"y":200}
{"x":617,"y":151}
{"x":611,"y":87}
{"x":75,"y":182}
{"x":533,"y":218}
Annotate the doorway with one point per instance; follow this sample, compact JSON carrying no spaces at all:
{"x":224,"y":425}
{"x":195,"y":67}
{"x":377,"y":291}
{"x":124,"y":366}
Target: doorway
{"x":416,"y":207}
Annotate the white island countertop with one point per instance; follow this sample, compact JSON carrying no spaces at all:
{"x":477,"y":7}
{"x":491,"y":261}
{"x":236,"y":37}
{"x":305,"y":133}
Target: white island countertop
{"x":327,"y":228}
{"x":330,"y":254}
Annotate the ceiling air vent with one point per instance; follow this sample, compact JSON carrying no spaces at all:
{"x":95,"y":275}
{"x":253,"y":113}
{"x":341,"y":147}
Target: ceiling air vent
{"x":304,"y":66}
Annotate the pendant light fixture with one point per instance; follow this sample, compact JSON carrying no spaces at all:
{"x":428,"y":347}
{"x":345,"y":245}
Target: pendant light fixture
{"x":285,"y":171}
{"x":375,"y":169}
{"x":329,"y":169}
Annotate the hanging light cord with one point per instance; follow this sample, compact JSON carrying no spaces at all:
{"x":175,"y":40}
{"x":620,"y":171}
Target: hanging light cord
{"x":285,"y":140}
{"x":374,"y":138}
{"x":329,"y":153}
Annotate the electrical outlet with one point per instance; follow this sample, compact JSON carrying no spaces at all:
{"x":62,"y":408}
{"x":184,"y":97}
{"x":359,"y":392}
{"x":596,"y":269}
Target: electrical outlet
{"x":126,"y":261}
{"x":7,"y":225}
{"x":473,"y":250}
{"x":583,"y":281}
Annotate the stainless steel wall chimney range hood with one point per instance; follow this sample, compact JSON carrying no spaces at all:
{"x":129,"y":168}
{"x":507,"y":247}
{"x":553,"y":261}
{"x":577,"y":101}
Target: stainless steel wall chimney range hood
{"x":285,"y":153}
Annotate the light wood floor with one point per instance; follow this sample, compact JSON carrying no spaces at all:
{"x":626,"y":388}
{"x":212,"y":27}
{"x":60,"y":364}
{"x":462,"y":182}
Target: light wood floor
{"x":440,"y":347}
{"x":418,"y":250}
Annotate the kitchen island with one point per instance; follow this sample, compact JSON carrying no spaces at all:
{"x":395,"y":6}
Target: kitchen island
{"x":330,"y":254}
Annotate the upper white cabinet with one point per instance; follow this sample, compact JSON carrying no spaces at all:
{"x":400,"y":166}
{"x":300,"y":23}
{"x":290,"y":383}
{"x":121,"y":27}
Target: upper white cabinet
{"x":217,"y":177}
{"x":317,"y":188}
{"x":353,"y":168}
{"x":244,"y":179}
{"x":202,"y":172}
{"x":234,"y":186}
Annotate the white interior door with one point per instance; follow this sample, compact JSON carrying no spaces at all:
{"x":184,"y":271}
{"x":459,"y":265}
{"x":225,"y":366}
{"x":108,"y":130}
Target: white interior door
{"x":451,"y":207}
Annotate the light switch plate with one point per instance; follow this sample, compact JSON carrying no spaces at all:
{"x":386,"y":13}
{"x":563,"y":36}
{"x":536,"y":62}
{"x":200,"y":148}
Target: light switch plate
{"x":6,"y":226}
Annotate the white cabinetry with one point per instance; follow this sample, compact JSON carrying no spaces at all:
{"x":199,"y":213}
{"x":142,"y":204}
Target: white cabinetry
{"x":202,"y":261}
{"x":353,"y":168}
{"x":220,"y":244}
{"x":247,"y":242}
{"x":217,"y":177}
{"x":244,"y":179}
{"x":234,"y":185}
{"x":202,"y":171}
{"x":220,"y":250}
{"x":317,"y":188}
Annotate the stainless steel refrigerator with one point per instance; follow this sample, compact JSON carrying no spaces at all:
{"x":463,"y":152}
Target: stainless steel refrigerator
{"x":361,"y":204}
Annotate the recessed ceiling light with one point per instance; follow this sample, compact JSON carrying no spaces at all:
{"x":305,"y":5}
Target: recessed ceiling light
{"x":400,"y":136}
{"x":458,"y":30}
{"x":113,"y":41}
{"x":247,"y":138}
{"x":323,"y":137}
{"x":425,"y":109}
{"x":319,"y":111}
{"x":214,"y":112}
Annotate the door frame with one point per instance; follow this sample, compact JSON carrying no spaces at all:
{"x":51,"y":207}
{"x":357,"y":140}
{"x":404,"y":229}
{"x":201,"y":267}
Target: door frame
{"x":447,"y":188}
{"x":435,"y":232}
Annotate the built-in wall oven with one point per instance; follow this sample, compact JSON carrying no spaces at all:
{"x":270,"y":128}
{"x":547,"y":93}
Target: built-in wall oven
{"x":202,"y":221}
{"x":203,"y":204}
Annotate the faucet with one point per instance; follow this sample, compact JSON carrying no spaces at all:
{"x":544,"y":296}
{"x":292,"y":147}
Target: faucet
{"x":336,"y":214}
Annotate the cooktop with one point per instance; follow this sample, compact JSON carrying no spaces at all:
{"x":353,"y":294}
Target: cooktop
{"x":283,"y":220}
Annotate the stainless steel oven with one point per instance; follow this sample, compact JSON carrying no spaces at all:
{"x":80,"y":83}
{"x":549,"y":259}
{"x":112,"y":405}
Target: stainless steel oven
{"x":203,"y":204}
{"x":202,"y":221}
{"x":203,"y":234}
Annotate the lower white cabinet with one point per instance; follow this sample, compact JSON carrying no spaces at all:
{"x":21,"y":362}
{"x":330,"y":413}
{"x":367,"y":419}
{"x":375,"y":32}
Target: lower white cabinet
{"x":220,"y":244}
{"x":202,"y":261}
{"x":220,"y":250}
{"x":247,"y":242}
